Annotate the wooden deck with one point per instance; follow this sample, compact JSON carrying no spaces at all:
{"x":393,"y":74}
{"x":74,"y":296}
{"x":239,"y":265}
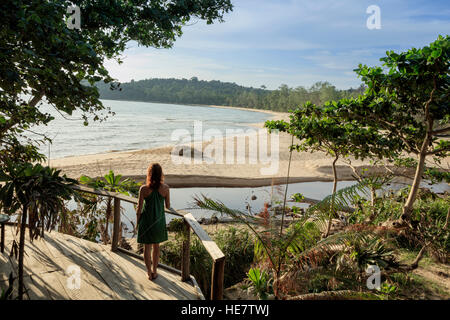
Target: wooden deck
{"x":105,"y":275}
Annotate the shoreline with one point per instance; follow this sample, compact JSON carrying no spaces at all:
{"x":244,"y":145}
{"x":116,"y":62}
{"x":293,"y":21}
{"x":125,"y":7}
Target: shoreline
{"x":275,"y":115}
{"x":204,"y":105}
{"x":305,"y":166}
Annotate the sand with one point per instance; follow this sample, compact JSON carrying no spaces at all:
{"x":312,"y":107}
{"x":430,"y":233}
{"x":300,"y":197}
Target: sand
{"x":305,"y":166}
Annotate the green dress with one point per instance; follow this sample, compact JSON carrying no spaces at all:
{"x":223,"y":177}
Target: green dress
{"x":152,"y":225}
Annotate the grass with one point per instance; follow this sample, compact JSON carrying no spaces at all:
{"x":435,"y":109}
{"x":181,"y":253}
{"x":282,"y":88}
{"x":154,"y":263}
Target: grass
{"x":423,"y":283}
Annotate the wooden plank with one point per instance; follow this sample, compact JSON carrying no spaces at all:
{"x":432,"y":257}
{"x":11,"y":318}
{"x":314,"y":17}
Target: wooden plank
{"x":36,"y":288}
{"x":171,"y":288}
{"x":179,"y":213}
{"x":60,"y":245}
{"x":36,"y":255}
{"x":55,"y":283}
{"x":140,"y":257}
{"x":90,"y":246}
{"x":87,"y":263}
{"x":217,"y":279}
{"x":185,"y":256}
{"x":105,"y":193}
{"x":2,"y":240}
{"x":210,"y":246}
{"x":168,"y":280}
{"x":54,"y":249}
{"x":5,"y":267}
{"x":32,"y":264}
{"x":161,"y":288}
{"x":117,"y":195}
{"x":86,"y":290}
{"x":112,"y":280}
{"x":93,"y":278}
{"x":184,"y":290}
{"x":129,"y":275}
{"x":104,"y":274}
{"x":5,"y":284}
{"x":197,"y":288}
{"x":116,"y":226}
{"x":45,"y":255}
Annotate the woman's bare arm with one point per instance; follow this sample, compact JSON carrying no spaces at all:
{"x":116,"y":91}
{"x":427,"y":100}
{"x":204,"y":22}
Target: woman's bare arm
{"x":139,"y":206}
{"x":167,"y":197}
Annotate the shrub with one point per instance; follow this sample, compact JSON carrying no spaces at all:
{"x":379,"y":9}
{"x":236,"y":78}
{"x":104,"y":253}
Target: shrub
{"x":237,"y":245}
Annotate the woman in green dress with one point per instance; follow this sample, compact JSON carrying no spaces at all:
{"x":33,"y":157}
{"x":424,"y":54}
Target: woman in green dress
{"x":151,"y":219}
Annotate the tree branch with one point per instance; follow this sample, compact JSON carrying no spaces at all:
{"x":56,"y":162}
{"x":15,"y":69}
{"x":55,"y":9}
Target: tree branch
{"x":438,"y":150}
{"x":443,"y":130}
{"x":36,"y":98}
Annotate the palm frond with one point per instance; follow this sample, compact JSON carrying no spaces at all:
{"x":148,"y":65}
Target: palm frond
{"x":367,"y":239}
{"x":343,"y":198}
{"x":204,"y":202}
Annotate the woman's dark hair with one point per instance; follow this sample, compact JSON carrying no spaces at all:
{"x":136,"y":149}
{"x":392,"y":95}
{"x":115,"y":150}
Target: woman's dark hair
{"x":155,"y":176}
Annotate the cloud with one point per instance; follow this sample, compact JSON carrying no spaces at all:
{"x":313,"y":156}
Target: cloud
{"x":296,"y":42}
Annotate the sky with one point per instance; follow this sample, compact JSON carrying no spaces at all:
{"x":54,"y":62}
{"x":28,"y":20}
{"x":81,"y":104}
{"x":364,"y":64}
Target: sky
{"x":274,"y":42}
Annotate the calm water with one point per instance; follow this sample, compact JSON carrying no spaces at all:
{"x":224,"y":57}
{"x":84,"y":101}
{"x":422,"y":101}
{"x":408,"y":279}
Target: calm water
{"x":239,"y":198}
{"x":137,"y":125}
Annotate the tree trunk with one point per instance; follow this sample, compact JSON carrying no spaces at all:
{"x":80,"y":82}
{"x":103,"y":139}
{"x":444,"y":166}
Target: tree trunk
{"x":407,"y":209}
{"x":21,"y":250}
{"x":335,"y":181}
{"x":108,"y":216}
{"x":373,"y":195}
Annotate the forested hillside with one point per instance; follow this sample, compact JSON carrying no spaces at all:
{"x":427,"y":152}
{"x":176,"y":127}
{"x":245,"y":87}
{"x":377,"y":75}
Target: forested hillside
{"x":194,"y":91}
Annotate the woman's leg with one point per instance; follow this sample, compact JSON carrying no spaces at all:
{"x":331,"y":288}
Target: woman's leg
{"x":148,"y":258}
{"x":155,"y":259}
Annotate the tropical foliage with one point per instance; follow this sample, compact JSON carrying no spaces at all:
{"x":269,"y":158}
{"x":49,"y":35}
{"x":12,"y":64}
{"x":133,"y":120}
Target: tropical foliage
{"x":39,"y":192}
{"x":41,"y":57}
{"x":235,"y":243}
{"x":404,"y":109}
{"x":109,"y":182}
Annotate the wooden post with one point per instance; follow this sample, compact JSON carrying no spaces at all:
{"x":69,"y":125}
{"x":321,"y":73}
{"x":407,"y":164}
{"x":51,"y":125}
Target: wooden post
{"x":186,"y":255}
{"x":2,"y":249}
{"x":217,"y":279}
{"x":116,"y":227}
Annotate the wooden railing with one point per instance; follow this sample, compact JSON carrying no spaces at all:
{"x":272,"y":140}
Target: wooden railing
{"x":211,"y":247}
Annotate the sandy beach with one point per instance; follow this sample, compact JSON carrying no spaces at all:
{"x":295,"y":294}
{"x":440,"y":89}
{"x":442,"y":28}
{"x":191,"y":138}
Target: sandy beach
{"x":205,"y":172}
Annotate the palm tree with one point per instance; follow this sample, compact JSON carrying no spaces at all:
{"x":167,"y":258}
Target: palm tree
{"x":40,"y":193}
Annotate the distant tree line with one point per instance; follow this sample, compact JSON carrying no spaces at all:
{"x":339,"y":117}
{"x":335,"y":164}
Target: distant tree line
{"x":194,"y":91}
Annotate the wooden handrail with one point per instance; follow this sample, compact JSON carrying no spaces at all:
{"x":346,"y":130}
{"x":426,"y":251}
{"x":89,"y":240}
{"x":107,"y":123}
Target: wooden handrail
{"x":105,"y":193}
{"x":120,"y":196}
{"x":190,"y":222}
{"x":210,"y":246}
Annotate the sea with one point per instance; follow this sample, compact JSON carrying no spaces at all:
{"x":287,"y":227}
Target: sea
{"x":145,"y":125}
{"x":135,"y":126}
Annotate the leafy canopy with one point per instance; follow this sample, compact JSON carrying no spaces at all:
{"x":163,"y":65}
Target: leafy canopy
{"x":41,"y":57}
{"x":408,"y":99}
{"x":319,"y":128}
